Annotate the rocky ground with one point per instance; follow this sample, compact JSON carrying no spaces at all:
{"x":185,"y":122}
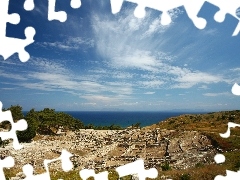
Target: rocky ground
{"x":107,"y":149}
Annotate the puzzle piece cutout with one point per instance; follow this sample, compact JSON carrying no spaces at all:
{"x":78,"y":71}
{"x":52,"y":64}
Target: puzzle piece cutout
{"x":60,"y":15}
{"x":231,"y":175}
{"x":87,"y":173}
{"x":67,"y":165}
{"x":20,"y":125}
{"x":29,"y":5}
{"x":192,"y":9}
{"x":52,"y":14}
{"x":8,"y":45}
{"x":208,"y":11}
{"x":236,"y":89}
{"x":8,"y":162}
{"x":220,"y":158}
{"x":227,"y":133}
{"x":137,"y":168}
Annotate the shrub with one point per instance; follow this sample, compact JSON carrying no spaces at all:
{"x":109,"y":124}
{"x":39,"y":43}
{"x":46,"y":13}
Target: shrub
{"x":199,"y":165}
{"x":166,"y":166}
{"x":185,"y":177}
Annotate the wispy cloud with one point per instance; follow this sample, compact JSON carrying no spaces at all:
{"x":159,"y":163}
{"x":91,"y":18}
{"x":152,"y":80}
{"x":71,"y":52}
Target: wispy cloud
{"x":69,"y":44}
{"x":127,"y":46}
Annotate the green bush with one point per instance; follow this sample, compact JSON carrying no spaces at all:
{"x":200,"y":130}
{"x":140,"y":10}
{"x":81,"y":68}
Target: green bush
{"x":185,"y":177}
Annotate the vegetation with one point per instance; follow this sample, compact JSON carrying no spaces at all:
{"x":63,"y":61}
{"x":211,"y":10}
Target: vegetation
{"x":111,"y":127}
{"x":47,"y":122}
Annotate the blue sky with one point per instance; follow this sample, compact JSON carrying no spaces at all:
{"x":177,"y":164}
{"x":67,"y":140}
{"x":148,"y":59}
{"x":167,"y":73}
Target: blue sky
{"x":97,"y":60}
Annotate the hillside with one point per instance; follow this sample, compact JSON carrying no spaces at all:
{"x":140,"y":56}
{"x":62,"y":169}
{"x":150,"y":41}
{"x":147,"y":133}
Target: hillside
{"x":210,"y":124}
{"x":180,"y":147}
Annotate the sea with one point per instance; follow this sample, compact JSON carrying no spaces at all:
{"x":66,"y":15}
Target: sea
{"x":123,"y":118}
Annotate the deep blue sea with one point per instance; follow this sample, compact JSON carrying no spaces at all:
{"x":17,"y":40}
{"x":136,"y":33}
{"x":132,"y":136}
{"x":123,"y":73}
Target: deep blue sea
{"x":123,"y":119}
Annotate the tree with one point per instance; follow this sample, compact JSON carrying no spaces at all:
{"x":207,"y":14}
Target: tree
{"x":47,"y":119}
{"x":16,"y":111}
{"x":30,"y":132}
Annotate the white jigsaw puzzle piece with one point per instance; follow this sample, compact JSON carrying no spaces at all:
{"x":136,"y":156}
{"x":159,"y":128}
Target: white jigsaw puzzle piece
{"x":67,"y":165}
{"x":137,"y":168}
{"x":20,"y":125}
{"x":87,"y":173}
{"x":9,"y":46}
{"x":8,"y":162}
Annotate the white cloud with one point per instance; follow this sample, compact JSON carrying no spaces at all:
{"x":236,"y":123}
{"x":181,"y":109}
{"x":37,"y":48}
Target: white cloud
{"x":138,"y":59}
{"x":235,"y":69}
{"x":149,"y":92}
{"x":187,"y":79}
{"x":217,"y":94}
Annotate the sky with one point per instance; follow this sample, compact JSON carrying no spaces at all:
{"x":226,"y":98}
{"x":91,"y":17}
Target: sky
{"x":97,"y":60}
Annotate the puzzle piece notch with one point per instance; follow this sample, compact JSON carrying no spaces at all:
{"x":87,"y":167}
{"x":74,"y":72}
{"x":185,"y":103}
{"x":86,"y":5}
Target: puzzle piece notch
{"x":137,"y":168}
{"x":67,"y":165}
{"x":219,"y":158}
{"x":60,"y":15}
{"x":20,"y":125}
{"x":75,"y":4}
{"x":8,"y":162}
{"x":28,"y":171}
{"x":87,"y":173}
{"x":226,"y":7}
{"x":53,"y":15}
{"x":29,"y":5}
